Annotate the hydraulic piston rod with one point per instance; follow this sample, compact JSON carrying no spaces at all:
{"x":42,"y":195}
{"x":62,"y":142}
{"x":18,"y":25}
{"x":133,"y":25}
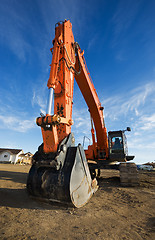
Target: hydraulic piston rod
{"x":49,"y":104}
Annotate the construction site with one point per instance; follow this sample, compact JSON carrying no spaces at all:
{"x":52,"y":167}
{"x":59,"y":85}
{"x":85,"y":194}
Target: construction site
{"x":69,"y":190}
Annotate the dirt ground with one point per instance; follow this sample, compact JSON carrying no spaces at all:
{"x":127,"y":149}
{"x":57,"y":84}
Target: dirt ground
{"x":114,"y":212}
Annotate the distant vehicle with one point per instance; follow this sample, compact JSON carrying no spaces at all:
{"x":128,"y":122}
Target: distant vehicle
{"x":145,"y":167}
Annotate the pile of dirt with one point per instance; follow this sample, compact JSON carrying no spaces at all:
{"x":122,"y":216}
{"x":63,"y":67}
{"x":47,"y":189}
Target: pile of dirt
{"x":114,"y":212}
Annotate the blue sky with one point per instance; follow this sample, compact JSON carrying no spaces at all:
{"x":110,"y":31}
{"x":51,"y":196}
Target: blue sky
{"x":118,"y":38}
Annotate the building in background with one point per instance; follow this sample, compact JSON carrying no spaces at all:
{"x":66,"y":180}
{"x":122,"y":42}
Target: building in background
{"x":25,"y":158}
{"x":8,"y":155}
{"x":15,"y":156}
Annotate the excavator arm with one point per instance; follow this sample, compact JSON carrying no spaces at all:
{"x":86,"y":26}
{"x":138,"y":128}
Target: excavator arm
{"x":99,"y":149}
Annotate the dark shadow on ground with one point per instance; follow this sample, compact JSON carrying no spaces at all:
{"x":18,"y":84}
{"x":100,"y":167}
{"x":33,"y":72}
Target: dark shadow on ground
{"x":18,"y":177}
{"x":105,"y":183}
{"x":150,"y":225}
{"x":19,"y":198}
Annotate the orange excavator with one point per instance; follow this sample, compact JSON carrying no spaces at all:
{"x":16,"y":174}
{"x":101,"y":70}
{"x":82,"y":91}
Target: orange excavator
{"x":62,"y":171}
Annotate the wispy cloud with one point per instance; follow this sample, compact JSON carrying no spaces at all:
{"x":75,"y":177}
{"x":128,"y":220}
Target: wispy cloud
{"x":20,"y":29}
{"x":40,"y":101}
{"x":148,"y":122}
{"x":16,"y":123}
{"x":40,"y":94}
{"x":81,"y":125}
{"x":12,"y":29}
{"x":133,"y":31}
{"x":124,"y":16}
{"x":132,"y":102}
{"x":92,"y":41}
{"x":134,"y":109}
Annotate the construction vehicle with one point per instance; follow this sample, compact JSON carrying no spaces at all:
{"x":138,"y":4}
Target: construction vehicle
{"x":62,"y":171}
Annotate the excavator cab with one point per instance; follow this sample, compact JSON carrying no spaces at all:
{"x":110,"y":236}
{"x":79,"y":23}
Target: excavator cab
{"x":118,"y":150}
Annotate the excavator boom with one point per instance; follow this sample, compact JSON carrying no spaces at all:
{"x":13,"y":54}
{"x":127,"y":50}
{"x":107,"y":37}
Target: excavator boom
{"x":61,"y":80}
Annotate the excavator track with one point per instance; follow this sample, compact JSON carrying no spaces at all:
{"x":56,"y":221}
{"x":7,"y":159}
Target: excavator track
{"x":129,"y":174}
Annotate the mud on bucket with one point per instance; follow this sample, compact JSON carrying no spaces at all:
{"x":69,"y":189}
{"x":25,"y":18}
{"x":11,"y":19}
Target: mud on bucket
{"x":71,"y":184}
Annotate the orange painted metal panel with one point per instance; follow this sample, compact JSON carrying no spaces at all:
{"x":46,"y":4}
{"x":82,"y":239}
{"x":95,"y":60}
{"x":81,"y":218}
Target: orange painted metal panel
{"x":96,"y":110}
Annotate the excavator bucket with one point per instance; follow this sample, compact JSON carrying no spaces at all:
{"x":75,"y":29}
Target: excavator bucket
{"x":71,"y":183}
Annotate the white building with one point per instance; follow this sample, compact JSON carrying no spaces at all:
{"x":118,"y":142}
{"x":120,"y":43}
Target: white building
{"x":10,"y":155}
{"x":25,"y":158}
